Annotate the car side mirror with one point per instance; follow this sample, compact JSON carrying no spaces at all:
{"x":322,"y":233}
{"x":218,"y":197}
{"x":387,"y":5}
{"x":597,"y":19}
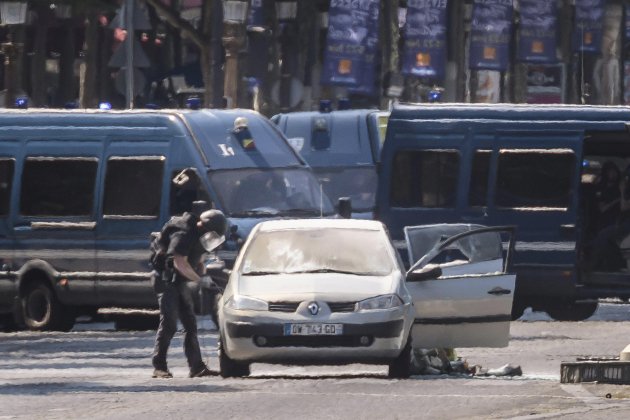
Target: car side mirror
{"x":424,"y":274}
{"x":345,"y":207}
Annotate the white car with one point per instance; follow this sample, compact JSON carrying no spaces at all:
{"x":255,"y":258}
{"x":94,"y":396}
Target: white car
{"x":331,"y":291}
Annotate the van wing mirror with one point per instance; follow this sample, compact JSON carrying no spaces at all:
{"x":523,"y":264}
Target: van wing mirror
{"x":426,"y":273}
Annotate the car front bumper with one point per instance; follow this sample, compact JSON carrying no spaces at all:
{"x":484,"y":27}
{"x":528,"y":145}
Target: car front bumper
{"x":377,"y":337}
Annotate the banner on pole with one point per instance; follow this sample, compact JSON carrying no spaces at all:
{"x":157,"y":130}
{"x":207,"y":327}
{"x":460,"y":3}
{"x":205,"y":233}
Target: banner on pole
{"x":589,"y":24}
{"x":424,"y":47}
{"x":537,"y":34}
{"x":351,"y":45}
{"x":491,"y":32}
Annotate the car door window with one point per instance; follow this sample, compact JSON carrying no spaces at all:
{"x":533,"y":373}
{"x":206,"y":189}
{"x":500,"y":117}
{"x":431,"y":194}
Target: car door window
{"x":479,"y":252}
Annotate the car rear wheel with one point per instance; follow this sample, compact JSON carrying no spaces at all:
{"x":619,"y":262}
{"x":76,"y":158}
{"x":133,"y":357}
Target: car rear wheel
{"x":229,"y":368}
{"x":42,"y":311}
{"x":400,"y":367}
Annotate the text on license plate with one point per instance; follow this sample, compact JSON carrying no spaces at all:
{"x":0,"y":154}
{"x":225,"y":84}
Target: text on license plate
{"x":313,"y":329}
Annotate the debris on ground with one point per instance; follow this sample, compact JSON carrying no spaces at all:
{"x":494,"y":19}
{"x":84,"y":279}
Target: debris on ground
{"x":445,"y":361}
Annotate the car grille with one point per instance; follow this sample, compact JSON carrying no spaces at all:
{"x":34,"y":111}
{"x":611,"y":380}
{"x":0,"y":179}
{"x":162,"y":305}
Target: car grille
{"x":292,"y":306}
{"x":318,"y":341}
{"x":283,"y":306}
{"x":342,"y":306}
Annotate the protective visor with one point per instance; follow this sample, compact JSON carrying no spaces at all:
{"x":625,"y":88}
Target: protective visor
{"x":211,"y":240}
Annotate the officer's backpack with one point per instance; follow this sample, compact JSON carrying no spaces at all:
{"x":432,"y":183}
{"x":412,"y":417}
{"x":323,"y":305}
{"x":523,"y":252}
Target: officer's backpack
{"x":161,"y":240}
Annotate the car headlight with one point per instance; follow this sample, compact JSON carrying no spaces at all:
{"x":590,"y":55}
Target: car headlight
{"x":246,"y":303}
{"x":380,"y":302}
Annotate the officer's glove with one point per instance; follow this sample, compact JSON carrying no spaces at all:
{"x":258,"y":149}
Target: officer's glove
{"x":207,"y":283}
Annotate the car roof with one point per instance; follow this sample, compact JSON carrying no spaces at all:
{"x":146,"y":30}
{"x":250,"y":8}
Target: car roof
{"x":287,"y":224}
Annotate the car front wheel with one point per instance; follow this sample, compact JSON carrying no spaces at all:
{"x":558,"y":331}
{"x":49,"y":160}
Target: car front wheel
{"x":229,"y":368}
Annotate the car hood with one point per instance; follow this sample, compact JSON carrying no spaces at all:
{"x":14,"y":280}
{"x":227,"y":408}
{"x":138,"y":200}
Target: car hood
{"x":333,"y":287}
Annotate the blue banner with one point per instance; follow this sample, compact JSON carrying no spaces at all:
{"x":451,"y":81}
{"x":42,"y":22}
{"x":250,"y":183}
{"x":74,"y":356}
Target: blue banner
{"x":351,"y":45}
{"x":589,"y":23}
{"x":256,"y":18}
{"x":424,"y":47}
{"x":537,"y":34}
{"x":491,"y":32}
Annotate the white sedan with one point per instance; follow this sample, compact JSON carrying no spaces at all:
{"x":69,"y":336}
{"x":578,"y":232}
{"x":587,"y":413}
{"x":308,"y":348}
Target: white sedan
{"x":331,"y":291}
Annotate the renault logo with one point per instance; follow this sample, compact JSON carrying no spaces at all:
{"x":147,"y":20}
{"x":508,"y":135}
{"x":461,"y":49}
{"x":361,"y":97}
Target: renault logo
{"x":313,"y":308}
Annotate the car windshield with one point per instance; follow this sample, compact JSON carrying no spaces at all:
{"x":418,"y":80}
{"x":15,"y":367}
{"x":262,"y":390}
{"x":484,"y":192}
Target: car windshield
{"x":270,"y":192}
{"x":356,"y":251}
{"x":357,"y":183}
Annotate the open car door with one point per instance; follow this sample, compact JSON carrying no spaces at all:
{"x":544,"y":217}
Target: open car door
{"x":461,"y":289}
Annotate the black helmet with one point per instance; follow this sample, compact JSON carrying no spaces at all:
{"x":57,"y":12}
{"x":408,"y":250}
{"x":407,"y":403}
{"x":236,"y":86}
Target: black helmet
{"x":214,"y":220}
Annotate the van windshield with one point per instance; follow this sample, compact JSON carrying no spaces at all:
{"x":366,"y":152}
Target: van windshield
{"x":357,"y":183}
{"x":270,"y":192}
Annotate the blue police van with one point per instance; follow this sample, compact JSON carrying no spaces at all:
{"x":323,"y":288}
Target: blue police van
{"x":558,"y":173}
{"x":343,"y":148}
{"x":81,"y":192}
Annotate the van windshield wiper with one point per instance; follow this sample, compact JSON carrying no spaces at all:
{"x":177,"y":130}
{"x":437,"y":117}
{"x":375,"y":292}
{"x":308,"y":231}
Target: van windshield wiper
{"x":300,"y":212}
{"x":262,"y":211}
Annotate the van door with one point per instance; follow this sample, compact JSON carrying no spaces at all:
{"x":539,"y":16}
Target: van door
{"x":8,"y":288}
{"x":55,"y":227}
{"x":420,"y":178}
{"x":131,"y":207}
{"x":461,"y":289}
{"x":534,"y":184}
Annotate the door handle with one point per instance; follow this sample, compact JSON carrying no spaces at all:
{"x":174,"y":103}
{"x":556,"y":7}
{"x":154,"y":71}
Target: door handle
{"x":499,"y":291}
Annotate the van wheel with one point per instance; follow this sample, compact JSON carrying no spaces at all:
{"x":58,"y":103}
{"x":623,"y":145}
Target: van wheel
{"x":400,"y":367}
{"x":42,"y":311}
{"x":229,"y":368}
{"x":572,"y":311}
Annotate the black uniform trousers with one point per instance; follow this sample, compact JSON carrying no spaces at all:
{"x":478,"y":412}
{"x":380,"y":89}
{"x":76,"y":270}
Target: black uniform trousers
{"x":176,"y":300}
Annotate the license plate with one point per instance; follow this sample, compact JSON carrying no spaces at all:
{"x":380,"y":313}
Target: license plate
{"x":313,"y":329}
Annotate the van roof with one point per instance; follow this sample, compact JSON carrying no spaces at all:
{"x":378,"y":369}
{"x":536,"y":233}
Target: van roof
{"x":542,"y":112}
{"x":353,"y":138}
{"x":211,"y":130}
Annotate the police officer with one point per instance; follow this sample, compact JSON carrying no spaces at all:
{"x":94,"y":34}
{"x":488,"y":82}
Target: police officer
{"x":180,"y":279}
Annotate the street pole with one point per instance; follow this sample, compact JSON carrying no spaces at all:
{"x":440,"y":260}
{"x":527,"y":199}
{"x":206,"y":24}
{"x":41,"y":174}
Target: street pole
{"x":129,"y":41}
{"x":10,"y":51}
{"x":233,"y":41}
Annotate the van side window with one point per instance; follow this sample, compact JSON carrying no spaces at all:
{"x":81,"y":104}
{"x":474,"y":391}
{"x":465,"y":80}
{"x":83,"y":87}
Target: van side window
{"x":133,"y":186}
{"x":478,"y":192}
{"x":6,"y":180}
{"x":426,"y":178}
{"x":535,"y":178}
{"x":58,"y":186}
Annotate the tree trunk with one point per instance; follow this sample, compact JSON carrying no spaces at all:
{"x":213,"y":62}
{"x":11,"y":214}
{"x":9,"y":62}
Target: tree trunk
{"x":67,"y":91}
{"x":38,"y":62}
{"x":88,"y":96}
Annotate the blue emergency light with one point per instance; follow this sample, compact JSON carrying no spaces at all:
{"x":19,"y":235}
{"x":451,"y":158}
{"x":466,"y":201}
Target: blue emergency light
{"x":21,"y":102}
{"x":104,"y":106}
